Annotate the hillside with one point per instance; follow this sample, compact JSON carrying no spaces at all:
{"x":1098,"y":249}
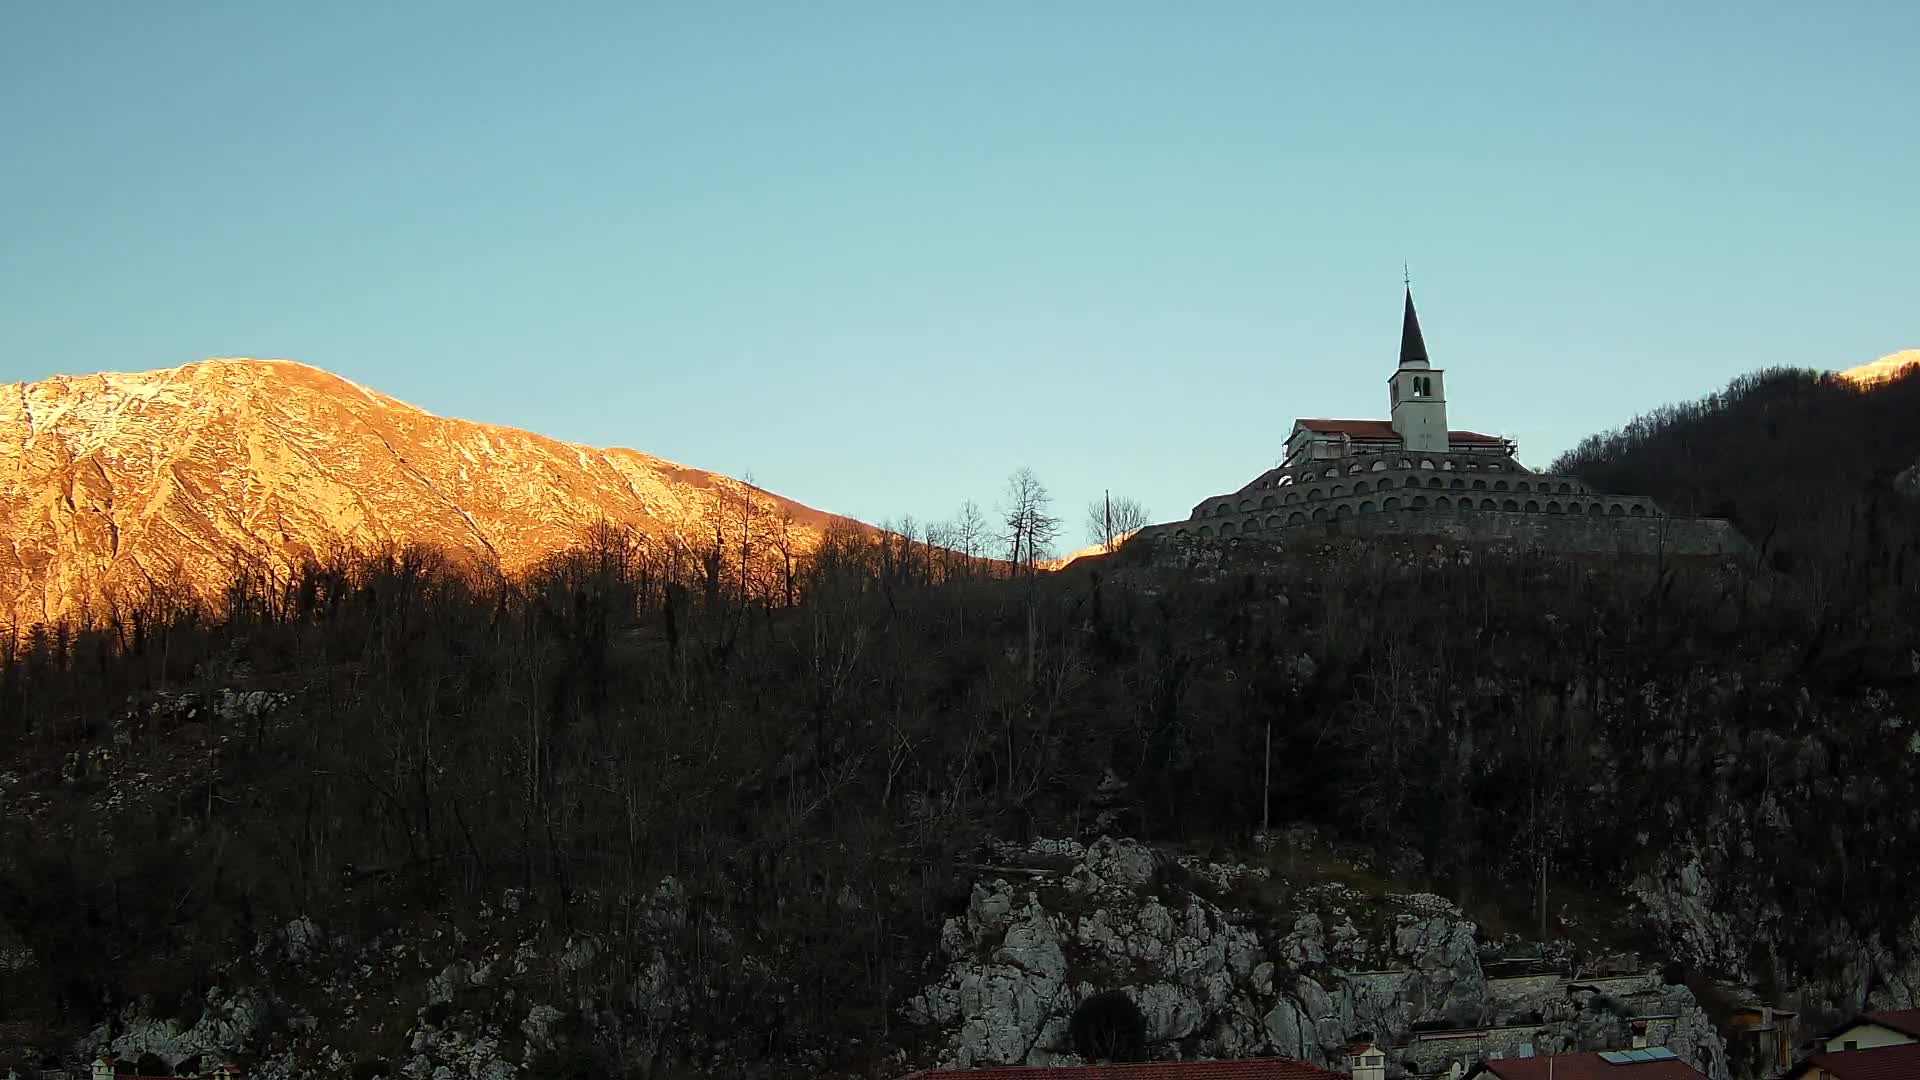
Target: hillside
{"x":1812,"y":467}
{"x":116,"y":482}
{"x":604,"y":821}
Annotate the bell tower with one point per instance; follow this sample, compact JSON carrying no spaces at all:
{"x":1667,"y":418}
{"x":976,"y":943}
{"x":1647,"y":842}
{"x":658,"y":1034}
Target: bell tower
{"x":1419,"y":391}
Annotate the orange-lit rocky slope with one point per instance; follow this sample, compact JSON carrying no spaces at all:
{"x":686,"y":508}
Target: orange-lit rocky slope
{"x":109,"y":479}
{"x":1883,"y":369}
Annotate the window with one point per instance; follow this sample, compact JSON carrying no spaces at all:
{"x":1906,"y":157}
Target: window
{"x":1850,"y":1044}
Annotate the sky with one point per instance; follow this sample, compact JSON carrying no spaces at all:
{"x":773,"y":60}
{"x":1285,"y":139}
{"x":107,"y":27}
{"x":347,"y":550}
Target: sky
{"x":876,"y":256}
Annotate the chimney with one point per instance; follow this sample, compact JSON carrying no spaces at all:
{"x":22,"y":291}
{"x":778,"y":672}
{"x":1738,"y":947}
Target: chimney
{"x":1639,"y":1034}
{"x":103,"y":1068}
{"x":1367,"y":1061}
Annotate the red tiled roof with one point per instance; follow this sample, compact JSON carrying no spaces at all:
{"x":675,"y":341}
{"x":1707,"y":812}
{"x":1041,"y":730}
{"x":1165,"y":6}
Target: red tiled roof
{"x":1880,"y":1063}
{"x":1473,"y":437}
{"x":1252,"y":1069}
{"x":1904,"y":1021}
{"x":1589,"y":1067}
{"x":1382,"y":431}
{"x":1353,"y":429}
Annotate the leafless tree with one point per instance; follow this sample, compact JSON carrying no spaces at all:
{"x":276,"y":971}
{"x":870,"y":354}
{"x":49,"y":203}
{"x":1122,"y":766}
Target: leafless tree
{"x":1110,"y":520}
{"x":1030,"y":528}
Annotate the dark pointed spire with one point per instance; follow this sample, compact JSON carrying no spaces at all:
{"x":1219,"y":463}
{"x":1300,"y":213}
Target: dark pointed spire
{"x":1413,"y":350}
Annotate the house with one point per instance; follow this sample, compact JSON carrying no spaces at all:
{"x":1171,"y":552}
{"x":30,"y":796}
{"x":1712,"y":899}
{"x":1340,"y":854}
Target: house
{"x":1897,"y":1061}
{"x":1251,"y":1069}
{"x":1887,"y":1027}
{"x":112,"y":1068}
{"x":1760,"y":1040}
{"x":1654,"y":1063}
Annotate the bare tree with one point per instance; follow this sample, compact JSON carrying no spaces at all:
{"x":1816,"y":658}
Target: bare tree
{"x":1111,"y":519}
{"x":1031,"y":530}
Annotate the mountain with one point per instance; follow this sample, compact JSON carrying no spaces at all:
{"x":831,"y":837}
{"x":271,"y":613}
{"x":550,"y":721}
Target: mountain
{"x":111,"y":480}
{"x":1885,"y":369}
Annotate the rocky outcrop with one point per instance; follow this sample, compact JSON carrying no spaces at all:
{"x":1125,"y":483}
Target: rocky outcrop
{"x":1213,"y":982}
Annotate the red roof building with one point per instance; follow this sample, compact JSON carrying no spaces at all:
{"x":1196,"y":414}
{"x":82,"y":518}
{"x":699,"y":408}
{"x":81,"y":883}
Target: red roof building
{"x":1901,"y":1062}
{"x":1252,"y":1069}
{"x":1609,"y":1065}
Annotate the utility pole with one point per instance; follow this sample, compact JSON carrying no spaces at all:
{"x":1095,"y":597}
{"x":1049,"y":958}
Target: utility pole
{"x":1543,"y":900}
{"x":1266,"y":785}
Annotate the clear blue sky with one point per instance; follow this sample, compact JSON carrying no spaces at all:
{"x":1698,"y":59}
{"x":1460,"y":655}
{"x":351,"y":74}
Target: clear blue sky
{"x":879,"y":255}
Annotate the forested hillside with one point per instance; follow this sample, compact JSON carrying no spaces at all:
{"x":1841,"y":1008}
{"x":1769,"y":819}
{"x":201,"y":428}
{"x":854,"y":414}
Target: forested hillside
{"x":324,"y":791}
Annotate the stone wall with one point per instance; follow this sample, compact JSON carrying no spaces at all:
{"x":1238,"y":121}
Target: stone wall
{"x":1567,"y":534}
{"x":1579,"y":534}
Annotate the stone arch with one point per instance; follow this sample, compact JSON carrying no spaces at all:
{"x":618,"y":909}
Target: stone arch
{"x":1308,"y":475}
{"x":1268,"y":502}
{"x":1616,"y":510}
{"x":1637,"y":510}
{"x":1510,"y":505}
{"x":1479,"y":484}
{"x":1566,"y":489}
{"x":1223,"y":508}
{"x":1206,"y":531}
{"x":1491,"y":467}
{"x":1499,"y":485}
{"x":1520,"y":485}
{"x":1426,"y":463}
{"x":1443,"y":503}
{"x":1226,"y":528}
{"x":1296,"y":518}
{"x":1532,"y":507}
{"x":1458,"y":484}
{"x":1553,"y":507}
{"x":1413,"y":481}
{"x":1360,"y":487}
{"x":1319,"y":513}
{"x":1252,"y":524}
{"x":1419,"y":502}
{"x":1342,"y":510}
{"x":1390,"y":504}
{"x":1315,"y":494}
{"x":1379,"y":465}
{"x":1290,"y":498}
{"x":1180,"y":534}
{"x":1447,"y":465}
{"x":1595,"y":509}
{"x":1283,"y":481}
{"x":1354,"y":468}
{"x":1368,"y":507}
{"x":1338,"y":490}
{"x":1465,"y":503}
{"x":1246,"y":505}
{"x":1488,"y":504}
{"x":1406,"y":463}
{"x":1274,"y":521}
{"x":1434,"y":482}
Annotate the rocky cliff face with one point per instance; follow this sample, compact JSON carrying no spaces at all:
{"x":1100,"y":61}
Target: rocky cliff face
{"x":112,"y":480}
{"x":1296,"y":979}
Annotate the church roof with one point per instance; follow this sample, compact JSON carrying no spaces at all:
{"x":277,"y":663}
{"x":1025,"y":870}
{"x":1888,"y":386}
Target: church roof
{"x":1382,"y":431}
{"x":1413,"y":349}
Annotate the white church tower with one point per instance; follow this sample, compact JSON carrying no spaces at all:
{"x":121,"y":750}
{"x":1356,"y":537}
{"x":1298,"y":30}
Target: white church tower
{"x":1419,"y":391}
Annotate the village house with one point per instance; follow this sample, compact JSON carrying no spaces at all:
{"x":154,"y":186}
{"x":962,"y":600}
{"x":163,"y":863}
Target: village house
{"x":1652,"y":1063}
{"x":112,"y":1068}
{"x":1886,"y":1027}
{"x":1883,"y":1045}
{"x":1251,"y":1069}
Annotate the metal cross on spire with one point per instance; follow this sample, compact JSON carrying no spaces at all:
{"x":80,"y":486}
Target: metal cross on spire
{"x":1406,"y":276}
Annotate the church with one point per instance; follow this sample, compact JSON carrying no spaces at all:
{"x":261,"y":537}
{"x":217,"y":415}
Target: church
{"x":1413,"y":474}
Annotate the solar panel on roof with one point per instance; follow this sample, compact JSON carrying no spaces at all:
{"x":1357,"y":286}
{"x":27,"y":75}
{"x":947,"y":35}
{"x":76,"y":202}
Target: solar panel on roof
{"x":1615,"y":1057}
{"x":1660,"y":1053}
